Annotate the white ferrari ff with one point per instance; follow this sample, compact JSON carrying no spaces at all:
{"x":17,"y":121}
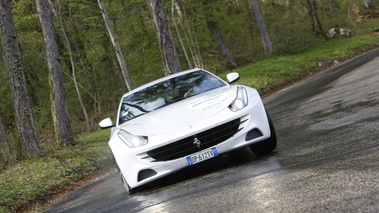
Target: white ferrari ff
{"x":184,"y":119}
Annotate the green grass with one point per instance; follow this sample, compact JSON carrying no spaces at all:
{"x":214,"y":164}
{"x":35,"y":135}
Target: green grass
{"x":37,"y":179}
{"x":269,"y":74}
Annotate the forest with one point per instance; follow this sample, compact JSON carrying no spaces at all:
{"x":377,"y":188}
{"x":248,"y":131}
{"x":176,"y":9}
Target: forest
{"x":105,"y":48}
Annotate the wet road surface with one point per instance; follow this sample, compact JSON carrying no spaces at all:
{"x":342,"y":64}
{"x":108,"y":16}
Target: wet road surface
{"x":327,"y":159}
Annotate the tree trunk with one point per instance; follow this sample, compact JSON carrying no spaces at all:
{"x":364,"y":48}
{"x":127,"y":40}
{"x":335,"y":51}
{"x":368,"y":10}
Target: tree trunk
{"x":188,"y":34}
{"x":5,"y":148}
{"x":315,"y":22}
{"x":222,"y":47}
{"x":58,"y":15}
{"x":262,"y":28}
{"x":13,"y":60}
{"x":179,"y":35}
{"x":63,"y":131}
{"x":116,"y":45}
{"x":170,"y":57}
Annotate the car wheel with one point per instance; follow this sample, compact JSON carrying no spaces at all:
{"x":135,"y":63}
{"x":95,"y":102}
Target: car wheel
{"x":266,"y":145}
{"x":126,"y":185}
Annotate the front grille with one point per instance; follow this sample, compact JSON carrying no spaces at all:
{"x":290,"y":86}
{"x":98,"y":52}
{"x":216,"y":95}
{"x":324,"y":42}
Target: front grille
{"x":186,"y":146}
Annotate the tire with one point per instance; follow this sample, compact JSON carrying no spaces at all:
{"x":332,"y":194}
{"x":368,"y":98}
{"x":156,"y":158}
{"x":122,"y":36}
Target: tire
{"x":268,"y":144}
{"x":126,"y":185}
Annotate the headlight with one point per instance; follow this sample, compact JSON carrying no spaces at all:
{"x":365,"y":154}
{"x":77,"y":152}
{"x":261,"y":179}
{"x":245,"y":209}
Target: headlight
{"x":240,"y":101}
{"x":131,"y":140}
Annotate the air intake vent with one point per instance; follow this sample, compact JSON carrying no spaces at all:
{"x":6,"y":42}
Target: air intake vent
{"x":191,"y":144}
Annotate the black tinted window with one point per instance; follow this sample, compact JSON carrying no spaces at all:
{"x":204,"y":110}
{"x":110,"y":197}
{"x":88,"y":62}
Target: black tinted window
{"x":167,"y":92}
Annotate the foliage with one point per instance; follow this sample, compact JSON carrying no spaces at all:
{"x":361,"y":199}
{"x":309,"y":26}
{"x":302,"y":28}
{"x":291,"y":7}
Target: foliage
{"x":36,"y":179}
{"x":266,"y":75}
{"x":297,"y":51}
{"x":290,"y":35}
{"x":297,"y":54}
{"x":97,"y":71}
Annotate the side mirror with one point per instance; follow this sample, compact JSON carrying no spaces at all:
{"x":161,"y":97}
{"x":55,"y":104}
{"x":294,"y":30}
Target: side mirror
{"x":232,"y":77}
{"x":106,"y":123}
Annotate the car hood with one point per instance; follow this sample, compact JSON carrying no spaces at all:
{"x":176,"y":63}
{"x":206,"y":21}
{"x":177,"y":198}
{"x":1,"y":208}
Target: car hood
{"x":183,"y":113}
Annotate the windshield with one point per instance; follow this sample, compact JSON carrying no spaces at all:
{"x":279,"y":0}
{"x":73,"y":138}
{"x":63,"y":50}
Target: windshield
{"x":167,"y":92}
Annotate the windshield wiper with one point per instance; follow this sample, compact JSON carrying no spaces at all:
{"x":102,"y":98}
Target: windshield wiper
{"x":137,"y":107}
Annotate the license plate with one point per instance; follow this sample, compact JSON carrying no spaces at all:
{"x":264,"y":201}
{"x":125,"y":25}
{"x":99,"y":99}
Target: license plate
{"x":202,"y":156}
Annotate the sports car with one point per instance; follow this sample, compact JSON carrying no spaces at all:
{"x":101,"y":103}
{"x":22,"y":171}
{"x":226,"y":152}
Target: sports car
{"x":184,"y":119}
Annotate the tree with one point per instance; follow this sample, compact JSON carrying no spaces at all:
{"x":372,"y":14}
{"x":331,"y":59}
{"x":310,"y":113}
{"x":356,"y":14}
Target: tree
{"x":97,"y":69}
{"x":179,"y":34}
{"x":315,"y":22}
{"x":5,"y":148}
{"x":262,"y":28}
{"x":212,"y":21}
{"x":170,"y":57}
{"x":189,"y":39}
{"x":222,"y":47}
{"x":57,"y":13}
{"x":22,"y":107}
{"x":62,"y":126}
{"x":116,"y":45}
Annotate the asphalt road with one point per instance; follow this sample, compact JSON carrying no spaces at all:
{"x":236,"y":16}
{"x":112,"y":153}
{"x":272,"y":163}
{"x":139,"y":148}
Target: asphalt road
{"x":327,"y":159}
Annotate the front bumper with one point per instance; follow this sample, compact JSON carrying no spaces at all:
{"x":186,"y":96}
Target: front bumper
{"x":139,"y":166}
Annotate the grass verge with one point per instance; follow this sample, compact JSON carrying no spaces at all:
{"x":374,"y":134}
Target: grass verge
{"x":268,"y":75}
{"x":37,"y":180}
